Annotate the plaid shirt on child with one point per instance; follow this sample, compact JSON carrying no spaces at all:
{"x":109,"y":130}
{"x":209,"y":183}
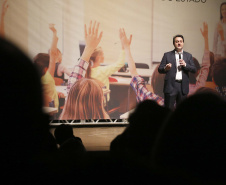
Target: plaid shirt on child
{"x":142,"y":93}
{"x":78,"y":72}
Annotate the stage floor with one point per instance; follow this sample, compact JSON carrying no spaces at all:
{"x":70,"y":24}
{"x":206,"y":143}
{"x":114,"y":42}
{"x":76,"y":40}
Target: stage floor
{"x":96,"y":138}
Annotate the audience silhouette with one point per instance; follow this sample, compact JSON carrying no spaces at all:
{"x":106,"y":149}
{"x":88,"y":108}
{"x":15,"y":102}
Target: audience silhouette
{"x":137,"y":139}
{"x":26,"y":143}
{"x":132,"y":149}
{"x":69,"y":144}
{"x":192,"y":142}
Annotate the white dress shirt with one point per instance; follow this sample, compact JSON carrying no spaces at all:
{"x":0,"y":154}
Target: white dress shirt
{"x":179,"y":72}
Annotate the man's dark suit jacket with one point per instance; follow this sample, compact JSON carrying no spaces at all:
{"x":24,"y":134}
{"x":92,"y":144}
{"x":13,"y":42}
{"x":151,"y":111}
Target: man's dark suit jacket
{"x":170,"y":76}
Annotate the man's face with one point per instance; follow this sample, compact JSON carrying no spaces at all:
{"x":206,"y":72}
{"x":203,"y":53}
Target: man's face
{"x":178,"y":43}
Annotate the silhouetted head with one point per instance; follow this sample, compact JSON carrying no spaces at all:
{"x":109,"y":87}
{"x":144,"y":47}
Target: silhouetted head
{"x":21,"y":93}
{"x":206,"y":90}
{"x":193,"y":141}
{"x":25,"y":128}
{"x":146,"y":113}
{"x":63,"y":132}
{"x":144,"y":124}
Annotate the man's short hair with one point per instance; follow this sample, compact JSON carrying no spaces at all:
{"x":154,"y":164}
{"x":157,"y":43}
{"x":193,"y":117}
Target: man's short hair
{"x":178,"y":36}
{"x":41,"y":61}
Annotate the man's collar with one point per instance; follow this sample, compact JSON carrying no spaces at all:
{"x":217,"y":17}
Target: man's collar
{"x":179,"y":52}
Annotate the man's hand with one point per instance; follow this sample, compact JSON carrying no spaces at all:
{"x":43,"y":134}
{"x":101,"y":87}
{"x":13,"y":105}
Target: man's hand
{"x":168,"y":67}
{"x":182,"y":63}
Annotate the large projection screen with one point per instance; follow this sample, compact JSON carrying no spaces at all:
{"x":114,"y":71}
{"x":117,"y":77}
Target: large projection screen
{"x":153,"y":23}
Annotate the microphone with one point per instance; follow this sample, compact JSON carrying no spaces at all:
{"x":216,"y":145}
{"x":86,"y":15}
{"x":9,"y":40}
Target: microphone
{"x":179,"y":67}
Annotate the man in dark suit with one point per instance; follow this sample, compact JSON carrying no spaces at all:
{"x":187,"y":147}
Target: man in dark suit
{"x":176,"y":65}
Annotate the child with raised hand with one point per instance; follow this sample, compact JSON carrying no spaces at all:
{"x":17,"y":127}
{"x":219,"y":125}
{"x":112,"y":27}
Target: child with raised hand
{"x":45,"y":63}
{"x":198,"y":79}
{"x":60,"y":69}
{"x":92,"y":40}
{"x":137,"y":83}
{"x":102,"y":73}
{"x":85,"y":98}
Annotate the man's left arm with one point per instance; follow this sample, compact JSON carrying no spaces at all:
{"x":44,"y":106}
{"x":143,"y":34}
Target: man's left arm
{"x":189,"y":65}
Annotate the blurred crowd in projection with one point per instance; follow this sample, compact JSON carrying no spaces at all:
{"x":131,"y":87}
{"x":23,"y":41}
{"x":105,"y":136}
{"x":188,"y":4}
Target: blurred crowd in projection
{"x":184,"y":145}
